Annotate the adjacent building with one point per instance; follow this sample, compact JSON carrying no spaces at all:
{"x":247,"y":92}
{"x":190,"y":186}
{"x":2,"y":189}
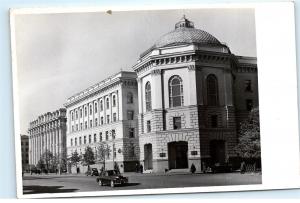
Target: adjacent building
{"x":192,"y":94}
{"x":48,"y":133}
{"x":105,"y":114}
{"x":25,"y":152}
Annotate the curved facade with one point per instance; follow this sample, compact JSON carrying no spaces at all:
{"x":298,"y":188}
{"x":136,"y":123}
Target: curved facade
{"x":199,"y":98}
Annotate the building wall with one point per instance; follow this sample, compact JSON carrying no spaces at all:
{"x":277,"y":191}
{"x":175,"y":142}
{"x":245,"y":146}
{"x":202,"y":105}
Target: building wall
{"x":121,"y":86}
{"x":25,"y":152}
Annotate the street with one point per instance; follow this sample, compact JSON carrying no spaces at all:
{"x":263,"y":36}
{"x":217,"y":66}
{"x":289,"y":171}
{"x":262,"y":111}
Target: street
{"x":33,"y":184}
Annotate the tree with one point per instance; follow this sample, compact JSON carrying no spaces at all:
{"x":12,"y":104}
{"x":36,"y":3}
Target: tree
{"x":47,"y":157}
{"x":103,"y":152}
{"x":75,"y":159}
{"x":248,"y":146}
{"x":40,"y":165}
{"x":88,"y":157}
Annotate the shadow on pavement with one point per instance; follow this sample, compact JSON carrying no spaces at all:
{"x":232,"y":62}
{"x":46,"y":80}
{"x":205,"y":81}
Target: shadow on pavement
{"x":34,"y":189}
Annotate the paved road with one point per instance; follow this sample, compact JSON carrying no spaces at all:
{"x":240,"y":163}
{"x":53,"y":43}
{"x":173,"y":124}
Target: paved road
{"x":78,"y":183}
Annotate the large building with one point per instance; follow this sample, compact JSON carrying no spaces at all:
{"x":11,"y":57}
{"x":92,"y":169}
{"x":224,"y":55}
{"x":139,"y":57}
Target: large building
{"x":48,"y":133}
{"x":105,"y":113}
{"x":25,"y":152}
{"x":192,"y":94}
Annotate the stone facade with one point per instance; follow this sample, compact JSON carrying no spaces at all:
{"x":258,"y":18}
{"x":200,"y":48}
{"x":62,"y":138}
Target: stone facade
{"x":199,"y":94}
{"x":105,"y":113}
{"x":48,"y":133}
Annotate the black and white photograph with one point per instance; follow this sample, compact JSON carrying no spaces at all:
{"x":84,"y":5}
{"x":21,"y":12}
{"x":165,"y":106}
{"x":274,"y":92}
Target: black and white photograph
{"x":140,"y":99}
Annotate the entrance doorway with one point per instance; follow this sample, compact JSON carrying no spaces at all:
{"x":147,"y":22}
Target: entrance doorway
{"x":148,"y":157}
{"x":217,"y":151}
{"x":177,"y":153}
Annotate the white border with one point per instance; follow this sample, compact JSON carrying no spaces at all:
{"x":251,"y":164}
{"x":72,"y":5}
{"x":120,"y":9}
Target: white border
{"x":276,"y":54}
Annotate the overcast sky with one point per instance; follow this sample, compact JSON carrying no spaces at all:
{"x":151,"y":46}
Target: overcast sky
{"x":59,"y":55}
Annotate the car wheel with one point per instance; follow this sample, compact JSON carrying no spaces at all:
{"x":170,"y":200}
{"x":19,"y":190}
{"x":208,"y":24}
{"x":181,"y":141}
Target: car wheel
{"x":100,"y":183}
{"x":112,"y":184}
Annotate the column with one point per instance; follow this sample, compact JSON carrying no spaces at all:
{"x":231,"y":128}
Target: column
{"x":156,"y":89}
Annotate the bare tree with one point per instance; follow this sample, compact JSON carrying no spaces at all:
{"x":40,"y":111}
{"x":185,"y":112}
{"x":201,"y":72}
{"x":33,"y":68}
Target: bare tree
{"x":103,"y":152}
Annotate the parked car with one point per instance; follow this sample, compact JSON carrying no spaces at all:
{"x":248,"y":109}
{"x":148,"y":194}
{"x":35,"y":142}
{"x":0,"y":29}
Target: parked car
{"x":112,"y":178}
{"x":92,"y":172}
{"x":221,"y":168}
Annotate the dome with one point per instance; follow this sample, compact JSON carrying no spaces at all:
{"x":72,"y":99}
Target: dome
{"x":185,"y":33}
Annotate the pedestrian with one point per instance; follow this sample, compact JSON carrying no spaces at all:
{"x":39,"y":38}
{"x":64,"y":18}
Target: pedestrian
{"x":141,"y":168}
{"x":193,"y":168}
{"x":136,"y":167}
{"x":56,"y":171}
{"x":243,"y":167}
{"x":77,"y":170}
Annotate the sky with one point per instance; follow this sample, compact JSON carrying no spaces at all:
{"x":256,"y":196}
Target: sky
{"x":59,"y":55}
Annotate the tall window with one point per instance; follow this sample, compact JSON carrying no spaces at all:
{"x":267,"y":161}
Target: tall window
{"x":96,"y":122}
{"x":80,"y":126}
{"x":100,"y":136}
{"x":248,"y":86}
{"x":176,"y":91}
{"x":80,"y":113}
{"x":106,"y":135}
{"x":107,"y":103}
{"x":96,"y":109}
{"x":176,"y":123}
{"x":72,"y":116}
{"x":107,"y":119}
{"x":129,"y":98}
{"x":114,"y":100}
{"x":91,"y":109}
{"x":95,"y":138}
{"x":85,"y":111}
{"x":113,"y":134}
{"x":90,"y":138}
{"x":85,"y":125}
{"x":71,"y":142}
{"x":249,"y":104}
{"x":84,"y":140}
{"x":101,"y":120}
{"x":131,"y":132}
{"x":148,"y":126}
{"x":80,"y":141}
{"x":76,"y":114}
{"x":76,"y":141}
{"x":101,"y":105}
{"x":114,"y":117}
{"x":212,"y":90}
{"x":148,"y":96}
{"x":129,"y":115}
{"x":214,"y":121}
{"x":91,"y":123}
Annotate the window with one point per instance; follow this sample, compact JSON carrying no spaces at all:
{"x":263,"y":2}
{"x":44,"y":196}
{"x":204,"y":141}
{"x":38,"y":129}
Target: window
{"x":148,"y":96}
{"x":80,"y":113}
{"x":176,"y":91}
{"x":80,"y":126}
{"x":114,"y":117}
{"x":96,"y":122}
{"x":96,"y":109}
{"x":71,"y":142}
{"x":212,"y":90}
{"x":107,"y":119}
{"x":85,"y":111}
{"x":113,"y":134}
{"x":131,"y":132}
{"x":129,"y":98}
{"x":249,"y":104}
{"x":114,"y":100}
{"x":95,"y":138}
{"x":85,"y":125}
{"x":72,"y":128}
{"x":148,"y":126}
{"x":100,"y":136}
{"x":214,"y":121}
{"x":101,"y":105}
{"x":101,"y":120}
{"x":84,"y":140}
{"x":176,"y":123}
{"x":91,"y":123}
{"x":76,"y":114}
{"x":76,"y":127}
{"x":90,"y":138}
{"x":114,"y":151}
{"x":106,"y":135}
{"x":91,"y":109}
{"x":248,"y":86}
{"x":72,"y":116}
{"x":107,"y":103}
{"x":129,"y":115}
{"x":80,"y":141}
{"x":76,"y":141}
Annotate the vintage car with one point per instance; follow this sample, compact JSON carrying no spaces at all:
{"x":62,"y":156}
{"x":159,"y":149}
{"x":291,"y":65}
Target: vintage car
{"x":92,"y":172}
{"x":112,"y":178}
{"x":221,"y":168}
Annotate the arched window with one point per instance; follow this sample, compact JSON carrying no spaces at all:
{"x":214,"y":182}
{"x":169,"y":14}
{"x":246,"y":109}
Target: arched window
{"x":212,"y":90}
{"x":114,"y":100}
{"x":76,"y":114}
{"x":129,"y":98}
{"x":72,"y":116}
{"x":107,"y":103}
{"x":176,"y":91}
{"x":101,"y":105}
{"x":91,"y":109}
{"x":96,"y":109}
{"x":85,"y":111}
{"x":148,"y":96}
